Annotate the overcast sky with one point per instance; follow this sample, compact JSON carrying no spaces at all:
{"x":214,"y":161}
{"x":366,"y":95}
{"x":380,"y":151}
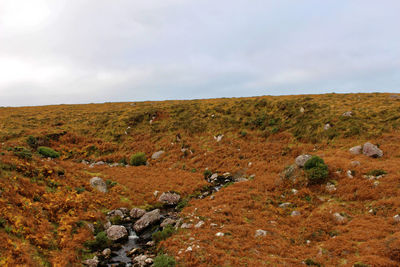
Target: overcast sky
{"x":83,"y":51}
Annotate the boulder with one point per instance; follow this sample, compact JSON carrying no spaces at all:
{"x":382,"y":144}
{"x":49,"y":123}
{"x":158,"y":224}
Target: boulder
{"x":146,"y":220}
{"x":158,"y":154}
{"x":371,"y":150}
{"x":117,"y":232}
{"x":169,"y":198}
{"x":136,"y":213}
{"x":98,"y":184}
{"x":356,"y":150}
{"x":302,"y":159}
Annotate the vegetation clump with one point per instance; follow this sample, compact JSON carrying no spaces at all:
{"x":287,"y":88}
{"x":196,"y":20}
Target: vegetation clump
{"x":48,"y":152}
{"x":100,"y":242}
{"x":316,"y":170}
{"x":138,"y":159}
{"x":164,"y":234}
{"x":22,"y":153}
{"x":164,"y":261}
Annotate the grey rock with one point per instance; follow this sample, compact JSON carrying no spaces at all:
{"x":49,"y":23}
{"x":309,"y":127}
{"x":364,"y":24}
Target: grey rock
{"x":117,"y":232}
{"x":186,"y":225}
{"x":260,"y":232}
{"x":167,"y":221}
{"x":199,"y":224}
{"x":158,"y":154}
{"x":355,"y":163}
{"x":91,"y":262}
{"x":349,"y":174}
{"x":147,"y":219}
{"x":339,"y":218}
{"x":347,"y":114}
{"x":136,"y":213}
{"x":106,"y":253}
{"x":289,"y":172}
{"x":219,"y":234}
{"x":327,"y":126}
{"x":284,"y":205}
{"x":302,"y":159}
{"x":371,"y":150}
{"x":107,"y":225}
{"x":295,"y":213}
{"x":98,"y":184}
{"x":330,"y":187}
{"x":169,"y":198}
{"x":356,"y":150}
{"x":396,"y":218}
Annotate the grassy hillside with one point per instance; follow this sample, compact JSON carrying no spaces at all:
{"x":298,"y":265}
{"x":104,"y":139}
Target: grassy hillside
{"x":46,"y":203}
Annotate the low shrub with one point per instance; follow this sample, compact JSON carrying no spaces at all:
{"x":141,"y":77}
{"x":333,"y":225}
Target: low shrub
{"x":48,"y":152}
{"x":207,"y":174}
{"x":22,"y":153}
{"x":164,"y":261}
{"x":138,"y":159}
{"x":99,"y":243}
{"x":164,"y":234}
{"x":316,"y":170}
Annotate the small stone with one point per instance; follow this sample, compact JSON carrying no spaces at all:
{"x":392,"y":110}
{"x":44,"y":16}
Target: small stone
{"x":349,"y":174}
{"x":186,"y":225}
{"x":295,"y":213}
{"x":219,"y":137}
{"x":339,"y":218}
{"x":301,"y":110}
{"x":284,"y":205}
{"x":106,"y":253}
{"x":150,"y":243}
{"x":295,"y":191}
{"x":348,"y":114}
{"x":376,"y":183}
{"x":260,"y":232}
{"x":158,"y":154}
{"x":330,"y":187}
{"x":327,"y":126}
{"x":148,"y":261}
{"x":396,"y":218}
{"x":199,"y":224}
{"x":189,"y":249}
{"x":91,"y":262}
{"x":107,"y":225}
{"x":356,"y":150}
{"x":155,"y":193}
{"x":219,"y":234}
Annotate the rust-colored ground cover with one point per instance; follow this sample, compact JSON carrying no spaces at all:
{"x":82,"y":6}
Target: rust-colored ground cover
{"x":45,"y":204}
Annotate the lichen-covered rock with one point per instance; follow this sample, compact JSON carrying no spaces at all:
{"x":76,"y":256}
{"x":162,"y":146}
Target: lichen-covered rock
{"x":137,"y":213}
{"x":356,"y":150}
{"x":169,"y":198}
{"x":158,"y":154}
{"x":146,"y":220}
{"x":371,"y":150}
{"x":168,"y":221}
{"x":302,"y":159}
{"x":117,"y":232}
{"x":91,"y":262}
{"x":98,"y":184}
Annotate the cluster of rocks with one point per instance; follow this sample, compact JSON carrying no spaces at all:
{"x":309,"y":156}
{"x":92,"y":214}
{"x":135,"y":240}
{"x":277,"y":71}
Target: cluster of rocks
{"x":101,"y":163}
{"x":130,"y":231}
{"x":367,"y":149}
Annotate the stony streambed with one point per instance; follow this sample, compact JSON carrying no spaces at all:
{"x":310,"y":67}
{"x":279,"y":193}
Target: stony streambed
{"x":131,"y":231}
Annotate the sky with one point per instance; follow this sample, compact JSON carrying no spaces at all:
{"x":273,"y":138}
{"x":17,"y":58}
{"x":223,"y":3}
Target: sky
{"x":94,"y":51}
